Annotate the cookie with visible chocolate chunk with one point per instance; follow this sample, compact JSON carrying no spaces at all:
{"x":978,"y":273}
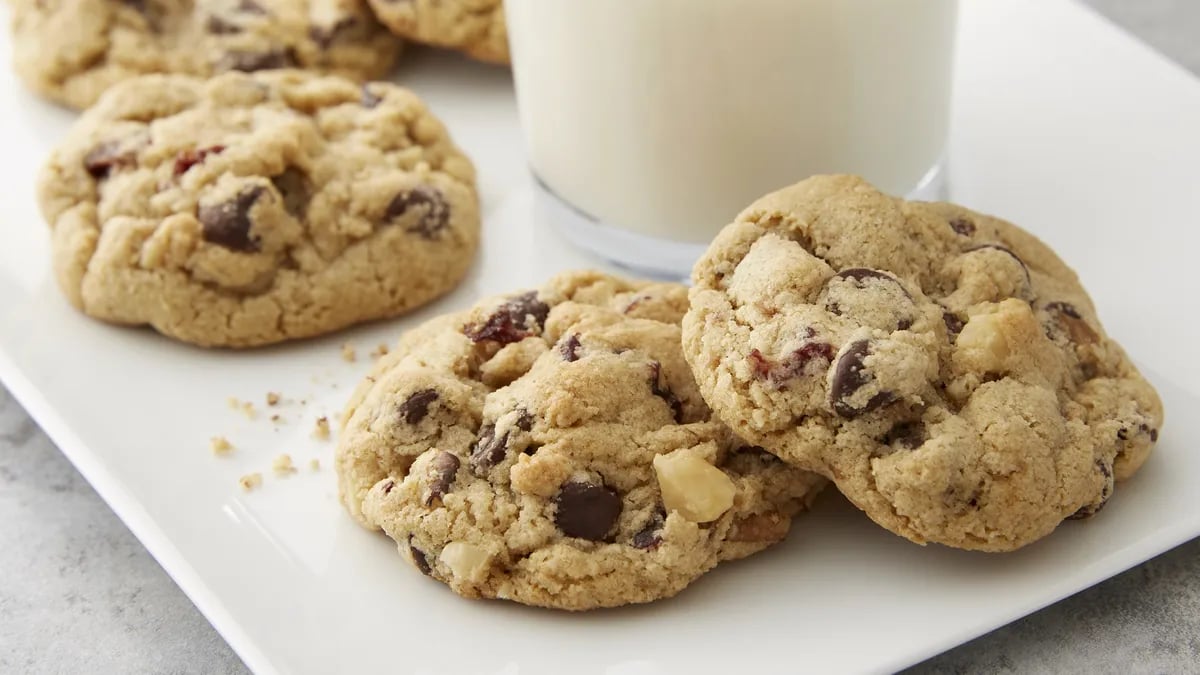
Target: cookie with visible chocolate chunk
{"x":550,"y":447}
{"x":71,"y":51}
{"x":943,"y":367}
{"x":257,"y":207}
{"x":474,"y":27}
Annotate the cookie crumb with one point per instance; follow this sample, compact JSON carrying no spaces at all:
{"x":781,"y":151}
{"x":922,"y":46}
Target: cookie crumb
{"x":273,"y":398}
{"x":380,"y":350}
{"x":277,"y":419}
{"x":250,"y":481}
{"x":314,"y":464}
{"x":220,"y":445}
{"x":282,"y":465}
{"x":322,"y":428}
{"x":348,"y":353}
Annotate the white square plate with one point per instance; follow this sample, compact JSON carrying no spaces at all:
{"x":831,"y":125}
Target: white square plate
{"x":1062,"y":123}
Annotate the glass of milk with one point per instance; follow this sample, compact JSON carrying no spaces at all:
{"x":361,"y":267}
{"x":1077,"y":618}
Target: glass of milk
{"x":650,"y":124}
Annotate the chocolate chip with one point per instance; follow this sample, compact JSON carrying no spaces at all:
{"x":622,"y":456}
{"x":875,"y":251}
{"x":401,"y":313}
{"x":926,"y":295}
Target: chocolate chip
{"x":1106,"y":492}
{"x":1069,"y":318}
{"x":444,"y":468}
{"x":1123,"y":434}
{"x":388,"y":486}
{"x":1154,"y":435}
{"x":851,"y":376}
{"x":102,"y":160}
{"x":1009,"y":251}
{"x":954,"y":325}
{"x":435,"y":212}
{"x":228,"y":223}
{"x":758,"y":452}
{"x":369,"y":98}
{"x":861,"y":273}
{"x":664,"y":391}
{"x":293,"y":186}
{"x":250,"y":7}
{"x":570,"y":348}
{"x":515,"y":320}
{"x":650,"y":536}
{"x":216,"y":25}
{"x":189,"y":158}
{"x":907,"y":435}
{"x":488,"y":451}
{"x":248,"y":61}
{"x":416,"y":406}
{"x":524,"y":420}
{"x":325,"y":35}
{"x":635,"y":303}
{"x":418,"y":558}
{"x":962,"y":226}
{"x":586,"y":510}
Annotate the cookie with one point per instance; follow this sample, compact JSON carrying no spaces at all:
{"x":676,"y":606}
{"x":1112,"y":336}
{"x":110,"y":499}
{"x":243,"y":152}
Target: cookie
{"x":943,"y":367}
{"x":254,"y":208}
{"x":71,"y":51}
{"x":551,"y":448}
{"x":474,"y":27}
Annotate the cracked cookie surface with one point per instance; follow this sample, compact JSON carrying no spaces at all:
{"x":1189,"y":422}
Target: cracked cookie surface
{"x":474,"y":27}
{"x":254,"y":208}
{"x":943,"y":367}
{"x":71,"y":51}
{"x":550,"y":447}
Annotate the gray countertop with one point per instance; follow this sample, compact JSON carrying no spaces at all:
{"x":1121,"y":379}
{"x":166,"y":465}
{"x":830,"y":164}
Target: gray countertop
{"x":78,"y":593}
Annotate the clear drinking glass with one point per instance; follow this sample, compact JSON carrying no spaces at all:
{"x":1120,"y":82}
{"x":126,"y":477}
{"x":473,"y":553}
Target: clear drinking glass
{"x":651,"y":123}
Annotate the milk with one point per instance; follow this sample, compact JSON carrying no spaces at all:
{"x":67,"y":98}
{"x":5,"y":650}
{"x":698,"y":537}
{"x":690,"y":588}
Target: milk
{"x":665,"y":118}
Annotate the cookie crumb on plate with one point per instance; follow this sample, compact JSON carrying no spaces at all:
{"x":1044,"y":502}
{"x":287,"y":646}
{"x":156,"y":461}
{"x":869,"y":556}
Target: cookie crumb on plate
{"x":282,"y":465}
{"x":220,"y":446}
{"x":250,"y":481}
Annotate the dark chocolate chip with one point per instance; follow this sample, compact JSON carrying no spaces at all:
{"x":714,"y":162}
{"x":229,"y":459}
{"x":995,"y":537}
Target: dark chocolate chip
{"x":794,"y":364}
{"x":570,"y":348}
{"x":369,"y":98}
{"x":250,"y":7}
{"x":664,"y":392}
{"x":1089,"y":510}
{"x":434,"y":211}
{"x":954,"y":325}
{"x":228,"y":223}
{"x":216,"y":25}
{"x":524,"y":420}
{"x":249,"y":61}
{"x":962,"y":226}
{"x":294,"y":188}
{"x":102,"y":160}
{"x":325,"y":35}
{"x":908,"y":435}
{"x":189,"y":158}
{"x":515,"y":320}
{"x":1154,"y":435}
{"x":416,"y":406}
{"x":850,"y":376}
{"x":586,"y":510}
{"x":1069,"y":318}
{"x":489,"y":450}
{"x":1123,"y":434}
{"x":758,"y":452}
{"x":418,"y":558}
{"x":650,"y":536}
{"x":444,"y":468}
{"x":388,"y":486}
{"x":861,"y":273}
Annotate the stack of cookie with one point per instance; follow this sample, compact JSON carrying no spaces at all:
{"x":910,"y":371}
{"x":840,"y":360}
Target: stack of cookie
{"x":600,"y":441}
{"x":597,"y":441}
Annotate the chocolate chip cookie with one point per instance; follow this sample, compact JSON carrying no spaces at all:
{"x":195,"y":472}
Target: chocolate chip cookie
{"x":71,"y":51}
{"x":943,"y":367}
{"x":474,"y":27}
{"x":550,"y":447}
{"x":257,"y":207}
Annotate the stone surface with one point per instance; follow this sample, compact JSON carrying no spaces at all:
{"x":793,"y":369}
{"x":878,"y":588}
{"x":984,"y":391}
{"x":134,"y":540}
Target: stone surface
{"x":68,"y":567}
